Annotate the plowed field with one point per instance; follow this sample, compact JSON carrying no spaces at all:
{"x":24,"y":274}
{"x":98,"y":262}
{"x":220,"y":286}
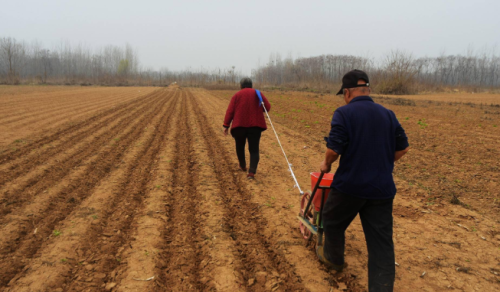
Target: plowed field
{"x":137,"y":189}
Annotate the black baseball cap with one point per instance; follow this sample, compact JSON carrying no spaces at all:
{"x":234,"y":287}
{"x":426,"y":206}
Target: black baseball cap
{"x":351,"y":79}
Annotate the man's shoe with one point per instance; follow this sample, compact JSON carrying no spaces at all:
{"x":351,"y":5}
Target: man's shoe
{"x":243,"y":168}
{"x":327,"y":263}
{"x":251,"y":176}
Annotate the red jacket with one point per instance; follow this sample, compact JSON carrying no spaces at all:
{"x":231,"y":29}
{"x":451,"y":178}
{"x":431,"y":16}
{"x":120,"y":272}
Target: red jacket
{"x":244,"y":110}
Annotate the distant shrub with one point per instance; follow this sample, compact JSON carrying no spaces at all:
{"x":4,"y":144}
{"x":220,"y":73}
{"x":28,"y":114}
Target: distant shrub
{"x":398,"y":74}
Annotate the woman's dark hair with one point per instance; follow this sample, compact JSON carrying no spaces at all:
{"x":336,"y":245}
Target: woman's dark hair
{"x":246,"y":83}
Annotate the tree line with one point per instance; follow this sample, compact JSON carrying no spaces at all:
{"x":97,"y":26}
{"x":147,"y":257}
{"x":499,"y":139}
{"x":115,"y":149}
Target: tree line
{"x":397,"y":73}
{"x":22,"y":62}
{"x":65,"y":64}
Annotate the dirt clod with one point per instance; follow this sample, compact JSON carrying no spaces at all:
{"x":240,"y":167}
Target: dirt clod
{"x":109,"y":286}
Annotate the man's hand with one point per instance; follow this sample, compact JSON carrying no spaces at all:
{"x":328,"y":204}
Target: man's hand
{"x":330,"y":157}
{"x":226,"y":130}
{"x":325,"y":167}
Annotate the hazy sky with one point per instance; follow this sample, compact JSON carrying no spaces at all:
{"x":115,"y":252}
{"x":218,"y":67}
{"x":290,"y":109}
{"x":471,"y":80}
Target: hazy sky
{"x":209,"y":34}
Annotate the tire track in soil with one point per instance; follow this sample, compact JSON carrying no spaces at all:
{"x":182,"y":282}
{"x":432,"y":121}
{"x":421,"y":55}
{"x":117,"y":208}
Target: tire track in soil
{"x":26,"y":245}
{"x":178,"y":265}
{"x":28,"y":162}
{"x":104,"y":242}
{"x":50,"y":176}
{"x":4,"y":158}
{"x":243,"y":221}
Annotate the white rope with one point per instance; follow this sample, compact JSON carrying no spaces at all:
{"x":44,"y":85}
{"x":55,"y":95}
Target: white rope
{"x":283,"y":150}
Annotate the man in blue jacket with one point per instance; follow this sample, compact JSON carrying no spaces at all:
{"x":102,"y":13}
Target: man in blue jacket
{"x":369,"y":139}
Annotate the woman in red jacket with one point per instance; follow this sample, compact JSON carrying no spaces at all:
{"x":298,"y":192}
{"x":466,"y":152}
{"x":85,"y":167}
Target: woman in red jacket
{"x":246,"y":114}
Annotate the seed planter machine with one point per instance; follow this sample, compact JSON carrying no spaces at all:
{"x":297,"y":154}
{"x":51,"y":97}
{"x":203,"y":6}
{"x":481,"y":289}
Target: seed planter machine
{"x":311,"y":207}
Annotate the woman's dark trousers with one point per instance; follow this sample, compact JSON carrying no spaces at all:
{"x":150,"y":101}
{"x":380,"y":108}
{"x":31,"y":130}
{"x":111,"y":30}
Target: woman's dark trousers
{"x":240,"y":136}
{"x":376,"y":218}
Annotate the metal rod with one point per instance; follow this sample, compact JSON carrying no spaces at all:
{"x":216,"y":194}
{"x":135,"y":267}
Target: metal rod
{"x":320,"y":223}
{"x":320,"y":238}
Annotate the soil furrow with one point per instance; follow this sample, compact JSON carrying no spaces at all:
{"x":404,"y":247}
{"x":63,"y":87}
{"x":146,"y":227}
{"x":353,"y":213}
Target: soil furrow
{"x":64,"y":252}
{"x":38,"y":101}
{"x":82,"y":108}
{"x":27,"y":244}
{"x":34,"y":186}
{"x":28,"y":162}
{"x":180,"y":258}
{"x":44,"y":121}
{"x":118,"y":220}
{"x":139,"y":257}
{"x":217,"y":264}
{"x":76,"y":97}
{"x":244,"y":220}
{"x":55,"y":173}
{"x":37,"y":95}
{"x":6,"y":157}
{"x":105,"y":221}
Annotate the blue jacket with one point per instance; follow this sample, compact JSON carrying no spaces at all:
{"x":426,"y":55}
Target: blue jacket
{"x":366,"y":135}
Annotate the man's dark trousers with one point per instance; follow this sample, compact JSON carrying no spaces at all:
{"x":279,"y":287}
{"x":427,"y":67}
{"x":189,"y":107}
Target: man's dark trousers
{"x":376,"y":217}
{"x":240,"y":136}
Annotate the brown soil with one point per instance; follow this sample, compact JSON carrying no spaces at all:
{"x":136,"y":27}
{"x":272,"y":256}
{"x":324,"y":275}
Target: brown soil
{"x":456,"y":97}
{"x":140,"y":191}
{"x":25,"y":110}
{"x":454,"y":154}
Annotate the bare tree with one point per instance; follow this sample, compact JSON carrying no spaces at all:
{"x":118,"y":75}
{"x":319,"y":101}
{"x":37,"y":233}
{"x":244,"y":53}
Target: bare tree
{"x":12,"y":56}
{"x":399,"y":72}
